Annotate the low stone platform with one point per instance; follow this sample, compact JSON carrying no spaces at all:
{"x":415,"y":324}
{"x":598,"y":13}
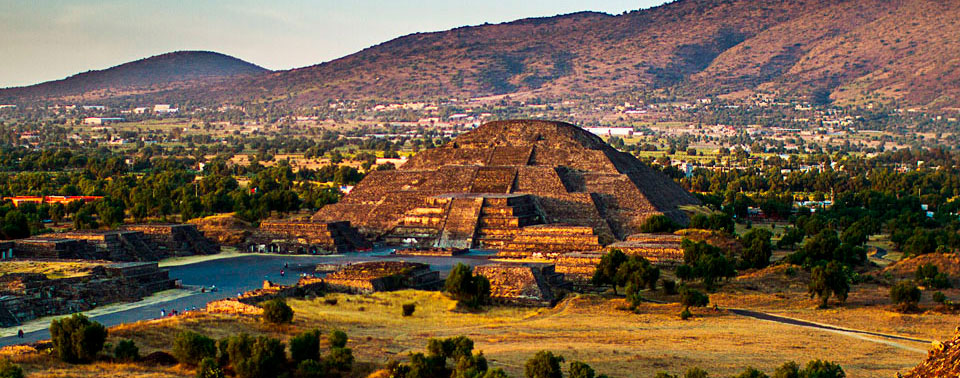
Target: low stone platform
{"x":305,"y":237}
{"x":525,"y":284}
{"x":432,"y":252}
{"x":176,"y":239}
{"x":114,"y":245}
{"x":368,"y":277}
{"x":550,"y":241}
{"x":659,"y":249}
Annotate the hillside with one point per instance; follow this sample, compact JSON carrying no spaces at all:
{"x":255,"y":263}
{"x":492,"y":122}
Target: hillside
{"x":169,"y":71}
{"x":853,"y":50}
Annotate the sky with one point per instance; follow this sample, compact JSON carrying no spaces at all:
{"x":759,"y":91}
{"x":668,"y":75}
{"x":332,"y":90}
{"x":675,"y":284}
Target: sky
{"x":42,"y":40}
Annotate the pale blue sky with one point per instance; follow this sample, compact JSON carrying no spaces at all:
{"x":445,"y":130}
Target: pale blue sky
{"x":44,"y":40}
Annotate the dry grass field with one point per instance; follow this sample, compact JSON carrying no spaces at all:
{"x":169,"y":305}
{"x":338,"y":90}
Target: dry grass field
{"x":51,"y":269}
{"x":592,"y":329}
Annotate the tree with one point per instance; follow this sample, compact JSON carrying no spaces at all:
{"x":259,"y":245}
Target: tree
{"x":791,"y":236}
{"x":544,"y":365}
{"x":704,"y":261}
{"x":693,"y":297}
{"x":14,"y":225}
{"x":190,"y":348}
{"x":126,"y":350}
{"x":77,"y":339}
{"x":607,"y":268}
{"x":751,"y":372}
{"x":9,"y":369}
{"x":822,"y":369}
{"x":905,"y":295}
{"x":305,"y":346}
{"x":463,"y":286}
{"x":696,"y":372}
{"x":260,"y":357}
{"x":340,"y":359}
{"x":581,"y":370}
{"x":787,"y":370}
{"x":929,"y":275}
{"x":658,"y":224}
{"x":757,"y":248}
{"x":337,"y":339}
{"x":277,"y":311}
{"x":829,"y":279}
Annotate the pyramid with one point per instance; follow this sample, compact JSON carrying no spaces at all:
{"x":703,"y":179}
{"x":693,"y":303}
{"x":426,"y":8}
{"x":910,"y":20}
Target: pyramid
{"x":508,"y":183}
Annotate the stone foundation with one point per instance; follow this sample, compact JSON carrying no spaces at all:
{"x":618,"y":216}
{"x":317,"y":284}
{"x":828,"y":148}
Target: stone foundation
{"x":176,"y":239}
{"x":305,"y":237}
{"x":522,"y":284}
{"x":368,"y":277}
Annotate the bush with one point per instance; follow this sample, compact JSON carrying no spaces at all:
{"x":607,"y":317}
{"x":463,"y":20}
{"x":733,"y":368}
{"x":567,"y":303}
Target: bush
{"x":311,"y":369}
{"x":696,"y":373}
{"x":750,"y":372}
{"x":77,"y":339}
{"x":338,"y":339}
{"x":822,"y":369}
{"x":463,"y":286}
{"x":127,"y":351}
{"x":544,"y":365}
{"x":277,"y":311}
{"x":939,"y":297}
{"x":693,"y":297}
{"x":9,"y":369}
{"x":305,"y":346}
{"x":686,"y":314}
{"x":190,"y":348}
{"x":905,"y":294}
{"x":340,"y":359}
{"x":787,"y":370}
{"x":209,"y":369}
{"x":929,"y":275}
{"x":408,"y":309}
{"x":581,"y":370}
{"x":830,"y":279}
{"x":330,"y":301}
{"x":658,"y":224}
{"x":260,"y":357}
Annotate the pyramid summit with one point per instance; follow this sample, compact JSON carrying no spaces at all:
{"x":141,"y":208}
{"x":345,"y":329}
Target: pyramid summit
{"x":496,"y":183}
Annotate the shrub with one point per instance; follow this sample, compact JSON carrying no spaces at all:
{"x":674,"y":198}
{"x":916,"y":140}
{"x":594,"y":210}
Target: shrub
{"x":830,"y":279}
{"x":277,"y":311}
{"x":259,"y":357}
{"x":693,"y":297}
{"x":311,"y":369}
{"x":9,"y":369}
{"x":305,"y":346}
{"x":939,"y":297}
{"x":209,"y":369}
{"x":658,"y":224}
{"x":696,"y":372}
{"x":544,"y":365}
{"x":929,"y":275}
{"x":905,"y":294}
{"x":190,"y":348}
{"x":340,"y":359}
{"x":787,"y":370}
{"x":77,"y":339}
{"x":330,"y":301}
{"x":338,"y":339}
{"x":822,"y":369}
{"x":126,"y":350}
{"x":750,"y":372}
{"x":686,"y":314}
{"x":581,"y":370}
{"x":408,"y":309}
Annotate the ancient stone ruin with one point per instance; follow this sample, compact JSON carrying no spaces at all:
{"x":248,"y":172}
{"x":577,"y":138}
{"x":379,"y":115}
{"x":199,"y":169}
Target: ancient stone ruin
{"x":523,"y":187}
{"x":27,"y":296}
{"x":176,"y":239}
{"x":523,"y":284}
{"x":368,"y":277}
{"x":660,"y":249}
{"x":305,"y":237}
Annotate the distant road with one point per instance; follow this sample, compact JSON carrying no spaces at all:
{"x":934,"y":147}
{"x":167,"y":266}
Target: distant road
{"x":240,"y":274}
{"x":885,"y":338}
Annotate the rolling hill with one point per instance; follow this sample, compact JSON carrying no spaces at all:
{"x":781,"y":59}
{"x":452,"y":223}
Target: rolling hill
{"x":166,"y":72}
{"x":853,"y":50}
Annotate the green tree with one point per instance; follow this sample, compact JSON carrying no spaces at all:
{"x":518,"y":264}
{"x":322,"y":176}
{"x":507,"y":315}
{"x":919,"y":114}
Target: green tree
{"x":305,"y":346}
{"x":126,"y":350}
{"x":337,"y":339}
{"x":277,"y":311}
{"x":751,"y":372}
{"x":463,"y":286}
{"x":905,"y":294}
{"x":190,"y":347}
{"x":822,"y":369}
{"x":77,"y":339}
{"x":693,"y":298}
{"x":581,"y":370}
{"x":544,"y":365}
{"x":607,"y":268}
{"x":787,"y":370}
{"x":757,"y":248}
{"x":260,"y":357}
{"x":658,"y":224}
{"x":696,"y":372}
{"x":829,"y":279}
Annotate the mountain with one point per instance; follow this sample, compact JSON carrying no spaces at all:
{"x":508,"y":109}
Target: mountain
{"x":853,"y":51}
{"x":166,"y":72}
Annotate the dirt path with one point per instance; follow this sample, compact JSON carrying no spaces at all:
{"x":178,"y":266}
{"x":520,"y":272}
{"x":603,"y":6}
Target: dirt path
{"x":885,"y":339}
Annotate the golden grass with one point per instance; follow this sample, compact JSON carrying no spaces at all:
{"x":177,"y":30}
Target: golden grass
{"x":582,"y":328}
{"x":51,"y":269}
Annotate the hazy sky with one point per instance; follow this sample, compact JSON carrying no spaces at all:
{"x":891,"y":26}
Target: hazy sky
{"x":43,"y":40}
